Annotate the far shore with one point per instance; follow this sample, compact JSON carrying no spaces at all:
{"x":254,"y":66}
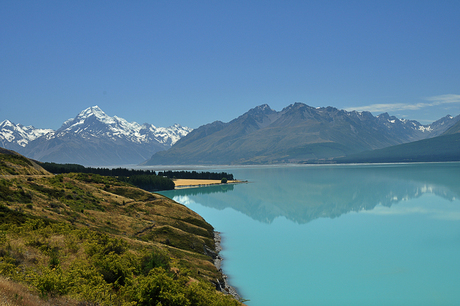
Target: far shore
{"x":191,"y":183}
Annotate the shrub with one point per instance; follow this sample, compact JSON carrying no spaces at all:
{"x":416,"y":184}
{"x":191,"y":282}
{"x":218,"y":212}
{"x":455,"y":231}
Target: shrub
{"x":155,"y":259}
{"x":51,"y":282}
{"x":114,"y":268}
{"x":158,"y":288}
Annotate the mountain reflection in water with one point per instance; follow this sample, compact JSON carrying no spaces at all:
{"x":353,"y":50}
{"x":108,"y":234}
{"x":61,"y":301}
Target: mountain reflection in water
{"x":305,"y":193}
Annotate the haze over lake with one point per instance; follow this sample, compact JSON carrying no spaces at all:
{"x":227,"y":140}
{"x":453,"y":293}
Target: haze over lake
{"x":338,"y":235}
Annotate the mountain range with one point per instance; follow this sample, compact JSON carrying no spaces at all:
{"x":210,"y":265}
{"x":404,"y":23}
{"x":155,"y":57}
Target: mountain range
{"x":445,"y":147}
{"x":91,"y":138}
{"x":299,"y":133}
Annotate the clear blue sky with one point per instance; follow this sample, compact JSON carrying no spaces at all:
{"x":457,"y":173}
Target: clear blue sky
{"x":194,"y":62}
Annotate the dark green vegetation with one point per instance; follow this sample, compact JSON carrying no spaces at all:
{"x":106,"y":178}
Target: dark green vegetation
{"x":101,"y":241}
{"x":145,"y":179}
{"x":299,"y":133}
{"x":68,"y":168}
{"x":196,"y":175}
{"x":438,"y":149}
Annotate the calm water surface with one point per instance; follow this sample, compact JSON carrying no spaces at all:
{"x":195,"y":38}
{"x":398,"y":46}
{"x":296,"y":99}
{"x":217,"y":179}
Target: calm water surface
{"x":338,"y":235}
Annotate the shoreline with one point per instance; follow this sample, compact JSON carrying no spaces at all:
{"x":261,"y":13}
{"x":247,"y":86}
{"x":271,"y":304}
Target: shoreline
{"x":194,"y":183}
{"x":222,"y":284}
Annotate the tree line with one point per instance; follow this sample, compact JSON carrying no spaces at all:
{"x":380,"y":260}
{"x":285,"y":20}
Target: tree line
{"x":68,"y":168}
{"x":145,"y":179}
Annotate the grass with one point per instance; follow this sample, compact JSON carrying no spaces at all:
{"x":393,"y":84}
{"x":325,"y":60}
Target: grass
{"x":14,"y":294}
{"x":90,"y":239}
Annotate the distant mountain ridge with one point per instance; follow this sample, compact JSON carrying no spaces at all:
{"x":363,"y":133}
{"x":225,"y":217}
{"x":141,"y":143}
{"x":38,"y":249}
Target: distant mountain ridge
{"x":298,"y":133}
{"x":91,"y":138}
{"x":453,"y":129}
{"x":15,"y":136}
{"x":445,"y":147}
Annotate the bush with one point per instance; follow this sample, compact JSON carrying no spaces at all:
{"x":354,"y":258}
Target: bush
{"x":114,"y":268}
{"x":158,"y":288}
{"x":58,"y":258}
{"x":156,"y":259}
{"x":51,"y":282}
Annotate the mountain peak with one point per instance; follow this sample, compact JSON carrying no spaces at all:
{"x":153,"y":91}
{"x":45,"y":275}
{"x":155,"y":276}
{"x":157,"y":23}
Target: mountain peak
{"x":93,"y":122}
{"x":6,"y":123}
{"x":384,"y":115}
{"x":264,"y":108}
{"x":92,"y":138}
{"x":17,"y":134}
{"x":295,"y":106}
{"x":92,"y":111}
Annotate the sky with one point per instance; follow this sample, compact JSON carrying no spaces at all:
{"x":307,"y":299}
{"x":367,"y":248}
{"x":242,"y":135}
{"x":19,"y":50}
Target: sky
{"x":195,"y":62}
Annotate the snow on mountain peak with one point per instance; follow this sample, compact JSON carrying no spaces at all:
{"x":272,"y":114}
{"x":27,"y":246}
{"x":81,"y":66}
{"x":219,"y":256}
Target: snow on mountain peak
{"x":19,"y":134}
{"x":93,"y":122}
{"x":96,"y":112}
{"x":101,"y":132}
{"x":89,"y":118}
{"x":90,"y":111}
{"x":6,"y":123}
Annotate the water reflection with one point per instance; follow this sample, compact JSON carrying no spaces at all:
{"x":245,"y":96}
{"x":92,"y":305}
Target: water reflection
{"x":206,"y":190}
{"x":305,"y":193}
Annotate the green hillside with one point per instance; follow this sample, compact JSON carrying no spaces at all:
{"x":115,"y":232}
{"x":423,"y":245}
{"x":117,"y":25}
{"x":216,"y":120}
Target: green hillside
{"x":86,"y":239}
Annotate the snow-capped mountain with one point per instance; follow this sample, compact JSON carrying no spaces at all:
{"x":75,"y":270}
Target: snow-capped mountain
{"x":92,"y":138}
{"x":414,"y":129}
{"x":93,"y":122}
{"x":16,"y":136}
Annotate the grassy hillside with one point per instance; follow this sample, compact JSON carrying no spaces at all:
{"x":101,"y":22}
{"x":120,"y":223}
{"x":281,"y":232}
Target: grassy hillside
{"x":91,"y":240}
{"x":12,"y":163}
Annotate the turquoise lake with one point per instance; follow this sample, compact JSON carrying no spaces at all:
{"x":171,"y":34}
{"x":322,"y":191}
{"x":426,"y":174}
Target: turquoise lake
{"x":338,"y":235}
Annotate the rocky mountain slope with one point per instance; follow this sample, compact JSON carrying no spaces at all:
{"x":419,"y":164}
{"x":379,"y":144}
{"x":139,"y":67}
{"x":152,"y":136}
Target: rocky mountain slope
{"x":91,"y":138}
{"x":298,"y":133}
{"x":442,"y":148}
{"x":453,"y":129}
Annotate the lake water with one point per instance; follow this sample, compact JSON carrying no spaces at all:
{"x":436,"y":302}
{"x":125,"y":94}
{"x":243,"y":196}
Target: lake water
{"x":338,"y":235}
